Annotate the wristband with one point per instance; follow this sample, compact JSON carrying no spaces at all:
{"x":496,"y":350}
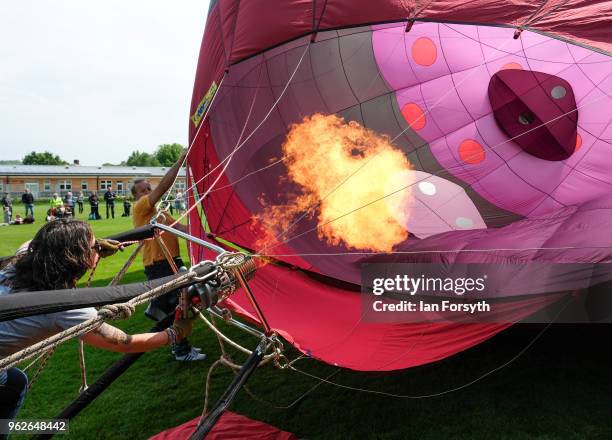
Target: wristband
{"x":171,"y":332}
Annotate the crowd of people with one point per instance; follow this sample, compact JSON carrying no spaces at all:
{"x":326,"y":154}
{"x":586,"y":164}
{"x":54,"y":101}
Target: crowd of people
{"x":7,"y":208}
{"x":71,"y":206}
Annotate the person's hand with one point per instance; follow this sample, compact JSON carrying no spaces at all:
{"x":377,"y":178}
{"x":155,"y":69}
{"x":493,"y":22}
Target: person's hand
{"x":183,"y":328}
{"x":106,"y":247}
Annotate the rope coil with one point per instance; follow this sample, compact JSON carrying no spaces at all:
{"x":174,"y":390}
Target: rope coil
{"x":117,"y":311}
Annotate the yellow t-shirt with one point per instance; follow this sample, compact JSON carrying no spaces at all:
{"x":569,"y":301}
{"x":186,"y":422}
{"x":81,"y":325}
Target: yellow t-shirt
{"x":151,"y":251}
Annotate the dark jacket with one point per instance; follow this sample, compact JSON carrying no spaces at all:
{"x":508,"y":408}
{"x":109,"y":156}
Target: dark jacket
{"x":93,"y":200}
{"x":110,"y":197}
{"x":27,"y":198}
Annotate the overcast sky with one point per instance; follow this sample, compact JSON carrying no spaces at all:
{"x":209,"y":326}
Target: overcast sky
{"x":95,"y":80}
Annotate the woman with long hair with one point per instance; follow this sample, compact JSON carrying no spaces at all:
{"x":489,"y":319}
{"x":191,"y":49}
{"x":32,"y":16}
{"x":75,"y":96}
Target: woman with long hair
{"x":59,"y":255}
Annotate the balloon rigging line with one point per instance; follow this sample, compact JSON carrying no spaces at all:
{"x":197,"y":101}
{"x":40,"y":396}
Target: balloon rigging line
{"x":422,"y":115}
{"x":195,"y":136}
{"x":447,"y":391}
{"x":370,"y":85}
{"x":270,"y":165}
{"x":326,"y":380}
{"x":373,"y":79}
{"x":438,"y":173}
{"x":431,"y":251}
{"x":308,"y":210}
{"x":417,"y":181}
{"x":573,"y":167}
{"x":378,"y":74}
{"x":273,"y":86}
{"x":241,"y":144}
{"x":229,"y":157}
{"x":279,"y":160}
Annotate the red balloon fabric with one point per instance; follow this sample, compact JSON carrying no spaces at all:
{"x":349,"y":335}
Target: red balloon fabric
{"x":231,"y":426}
{"x":501,"y":143}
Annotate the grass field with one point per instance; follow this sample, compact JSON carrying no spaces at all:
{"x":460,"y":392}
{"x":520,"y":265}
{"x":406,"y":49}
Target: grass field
{"x":559,"y":389}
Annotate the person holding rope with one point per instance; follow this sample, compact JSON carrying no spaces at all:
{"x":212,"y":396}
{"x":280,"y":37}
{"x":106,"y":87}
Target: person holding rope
{"x":109,"y":197}
{"x":155,"y":260}
{"x":59,"y":255}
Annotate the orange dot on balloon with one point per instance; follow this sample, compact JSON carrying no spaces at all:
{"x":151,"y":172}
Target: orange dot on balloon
{"x":471,"y":151}
{"x":413,"y":114}
{"x":511,"y":66}
{"x":578,"y":142}
{"x":424,"y":51}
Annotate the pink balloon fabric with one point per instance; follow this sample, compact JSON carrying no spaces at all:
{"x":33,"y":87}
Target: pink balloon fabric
{"x":477,"y":188}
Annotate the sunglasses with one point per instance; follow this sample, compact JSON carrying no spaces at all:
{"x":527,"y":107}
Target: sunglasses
{"x":97,"y":247}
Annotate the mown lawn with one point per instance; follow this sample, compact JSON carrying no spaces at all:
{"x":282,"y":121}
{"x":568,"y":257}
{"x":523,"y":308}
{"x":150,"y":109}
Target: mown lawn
{"x":560,"y":388}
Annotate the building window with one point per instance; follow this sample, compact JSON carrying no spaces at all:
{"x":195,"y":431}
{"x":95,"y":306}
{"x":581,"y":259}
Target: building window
{"x":47,"y":185}
{"x":119,"y":184}
{"x":65,"y":185}
{"x":104,"y":184}
{"x":1,"y":186}
{"x":180,"y":186}
{"x":84,"y":184}
{"x":32,"y":186}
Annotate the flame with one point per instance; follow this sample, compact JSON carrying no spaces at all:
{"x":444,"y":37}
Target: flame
{"x":352,"y":179}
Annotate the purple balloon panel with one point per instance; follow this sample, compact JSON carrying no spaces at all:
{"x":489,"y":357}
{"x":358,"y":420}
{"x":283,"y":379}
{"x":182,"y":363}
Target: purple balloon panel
{"x":441,"y":75}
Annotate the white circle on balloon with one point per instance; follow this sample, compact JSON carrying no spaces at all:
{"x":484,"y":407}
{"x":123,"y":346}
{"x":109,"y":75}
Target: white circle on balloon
{"x":558,"y":92}
{"x":427,"y":188}
{"x":464,"y":223}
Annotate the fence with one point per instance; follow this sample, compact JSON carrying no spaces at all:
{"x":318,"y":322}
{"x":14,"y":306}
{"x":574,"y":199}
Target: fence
{"x":45,"y":195}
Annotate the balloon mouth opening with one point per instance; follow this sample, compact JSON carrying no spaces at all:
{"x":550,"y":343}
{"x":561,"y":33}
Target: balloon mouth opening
{"x":537,"y":111}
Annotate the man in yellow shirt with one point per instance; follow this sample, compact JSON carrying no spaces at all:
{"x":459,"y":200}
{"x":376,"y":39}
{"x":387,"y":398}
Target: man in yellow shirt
{"x":155,"y":262}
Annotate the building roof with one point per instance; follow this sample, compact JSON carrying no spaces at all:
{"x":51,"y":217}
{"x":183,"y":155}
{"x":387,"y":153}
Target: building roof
{"x":80,"y":170}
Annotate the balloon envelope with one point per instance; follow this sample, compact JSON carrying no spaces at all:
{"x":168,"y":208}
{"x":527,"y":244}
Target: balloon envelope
{"x":506,"y":140}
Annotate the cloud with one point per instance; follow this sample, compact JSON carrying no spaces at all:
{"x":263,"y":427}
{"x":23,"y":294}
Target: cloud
{"x":96,"y":77}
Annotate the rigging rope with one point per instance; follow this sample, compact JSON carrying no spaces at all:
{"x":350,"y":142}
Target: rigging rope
{"x":111,"y":311}
{"x":274,"y":243}
{"x":242,"y":143}
{"x":195,"y":136}
{"x":450,"y":390}
{"x":84,"y":385}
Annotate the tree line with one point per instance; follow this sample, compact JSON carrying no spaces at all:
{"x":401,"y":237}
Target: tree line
{"x":164,"y":156}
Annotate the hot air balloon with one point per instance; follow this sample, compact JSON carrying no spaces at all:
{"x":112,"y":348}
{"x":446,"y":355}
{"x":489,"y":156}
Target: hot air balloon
{"x":332,"y":134}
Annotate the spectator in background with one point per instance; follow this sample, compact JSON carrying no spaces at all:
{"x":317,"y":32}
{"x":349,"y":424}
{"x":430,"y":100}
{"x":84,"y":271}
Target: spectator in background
{"x":79,"y":201}
{"x":179,"y":203}
{"x":126,"y":207}
{"x":7,"y":207}
{"x":27,"y":198}
{"x":55,"y":203}
{"x":69,"y":202}
{"x":109,"y":197}
{"x":93,"y":203}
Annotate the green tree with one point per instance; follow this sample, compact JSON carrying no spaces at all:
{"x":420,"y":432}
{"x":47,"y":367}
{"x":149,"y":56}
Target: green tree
{"x":168,"y":154}
{"x":142,"y":159}
{"x":45,"y":158}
